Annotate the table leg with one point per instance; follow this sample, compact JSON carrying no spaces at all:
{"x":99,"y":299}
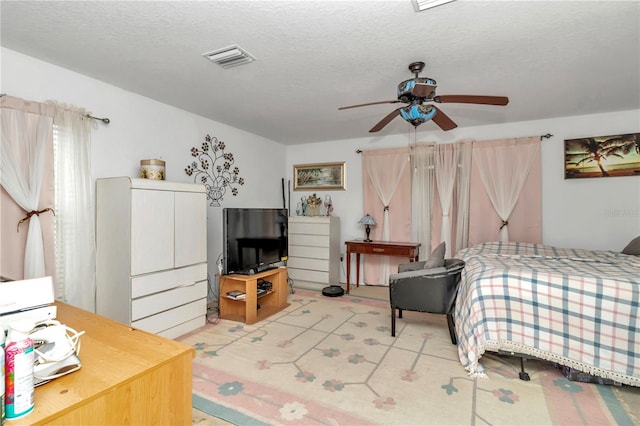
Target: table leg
{"x":348,"y":269}
{"x":357,"y":269}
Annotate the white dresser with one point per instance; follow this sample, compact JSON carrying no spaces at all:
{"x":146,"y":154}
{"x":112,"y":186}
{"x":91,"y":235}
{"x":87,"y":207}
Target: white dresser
{"x":314,"y":251}
{"x":151,"y":254}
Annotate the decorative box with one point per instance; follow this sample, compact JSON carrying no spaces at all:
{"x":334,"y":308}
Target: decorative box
{"x":152,"y":169}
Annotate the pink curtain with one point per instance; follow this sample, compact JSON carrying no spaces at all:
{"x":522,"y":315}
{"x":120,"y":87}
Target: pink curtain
{"x":525,"y":222}
{"x":399,"y":212}
{"x":13,"y":235}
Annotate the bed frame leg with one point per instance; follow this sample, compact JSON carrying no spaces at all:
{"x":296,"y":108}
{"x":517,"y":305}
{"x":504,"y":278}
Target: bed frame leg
{"x":523,"y":374}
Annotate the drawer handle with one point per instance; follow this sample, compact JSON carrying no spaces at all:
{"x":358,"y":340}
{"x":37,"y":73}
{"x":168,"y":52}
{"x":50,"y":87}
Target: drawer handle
{"x":187,"y":285}
{"x":378,"y":250}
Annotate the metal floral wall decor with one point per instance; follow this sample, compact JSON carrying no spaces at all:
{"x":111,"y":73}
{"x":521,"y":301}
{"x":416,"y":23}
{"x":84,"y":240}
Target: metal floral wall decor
{"x":215,"y":169}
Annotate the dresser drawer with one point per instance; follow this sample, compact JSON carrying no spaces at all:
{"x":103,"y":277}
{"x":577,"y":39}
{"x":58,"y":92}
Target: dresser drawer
{"x":159,"y":302}
{"x":308,"y":228}
{"x":143,"y":285}
{"x":308,"y":275}
{"x":171,"y":318}
{"x":309,"y":240}
{"x":308,"y":251}
{"x":184,"y":328}
{"x":306,"y":263}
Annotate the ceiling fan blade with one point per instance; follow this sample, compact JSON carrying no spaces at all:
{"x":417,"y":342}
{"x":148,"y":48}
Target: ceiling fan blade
{"x":395,"y":101}
{"x":442,"y":120}
{"x":472,"y":99}
{"x":386,"y":120}
{"x":423,"y":90}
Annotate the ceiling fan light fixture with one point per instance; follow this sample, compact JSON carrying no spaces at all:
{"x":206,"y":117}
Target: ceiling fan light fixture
{"x":417,"y":114}
{"x":229,"y":57}
{"x":406,"y":88}
{"x":420,"y":5}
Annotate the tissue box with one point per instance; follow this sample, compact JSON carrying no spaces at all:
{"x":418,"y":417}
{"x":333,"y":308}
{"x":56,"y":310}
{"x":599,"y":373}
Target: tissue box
{"x":25,"y":294}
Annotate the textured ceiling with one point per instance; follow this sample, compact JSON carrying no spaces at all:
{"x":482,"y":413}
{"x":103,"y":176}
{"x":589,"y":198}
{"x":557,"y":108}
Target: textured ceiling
{"x":552,"y":59}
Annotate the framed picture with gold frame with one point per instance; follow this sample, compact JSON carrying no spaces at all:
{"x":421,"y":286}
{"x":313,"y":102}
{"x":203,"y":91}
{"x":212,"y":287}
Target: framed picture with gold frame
{"x":319,"y":176}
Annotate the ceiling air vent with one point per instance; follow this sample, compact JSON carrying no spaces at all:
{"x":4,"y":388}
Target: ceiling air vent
{"x":420,"y":5}
{"x":229,"y":57}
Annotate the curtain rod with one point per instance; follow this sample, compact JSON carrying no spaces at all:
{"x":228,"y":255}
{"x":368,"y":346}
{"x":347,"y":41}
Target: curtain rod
{"x":547,"y":136}
{"x":105,"y":120}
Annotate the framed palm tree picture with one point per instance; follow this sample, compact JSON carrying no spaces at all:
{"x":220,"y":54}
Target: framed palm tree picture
{"x":602,"y":156}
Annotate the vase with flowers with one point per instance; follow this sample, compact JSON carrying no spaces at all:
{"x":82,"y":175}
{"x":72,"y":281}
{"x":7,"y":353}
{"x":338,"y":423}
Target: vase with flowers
{"x":313,"y":205}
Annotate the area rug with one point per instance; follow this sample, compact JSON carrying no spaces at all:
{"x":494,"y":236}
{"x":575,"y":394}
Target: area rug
{"x":332,"y":361}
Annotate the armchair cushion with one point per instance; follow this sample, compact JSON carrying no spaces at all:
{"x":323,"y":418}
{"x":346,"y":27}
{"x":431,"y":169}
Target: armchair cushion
{"x":413,"y":266}
{"x":436,"y":260}
{"x":431,"y":272}
{"x":453,"y":265}
{"x":449,"y":265}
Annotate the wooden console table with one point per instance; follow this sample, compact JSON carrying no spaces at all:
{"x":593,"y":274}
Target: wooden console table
{"x":383,"y":248}
{"x":128,"y":376}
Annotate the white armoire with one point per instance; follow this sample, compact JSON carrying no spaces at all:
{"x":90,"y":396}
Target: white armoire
{"x":151,"y":254}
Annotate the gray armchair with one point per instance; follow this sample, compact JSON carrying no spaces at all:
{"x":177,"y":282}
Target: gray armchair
{"x":431,"y":290}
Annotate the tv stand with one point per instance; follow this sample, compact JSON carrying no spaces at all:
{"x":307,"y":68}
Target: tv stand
{"x":254,"y":271}
{"x":249,"y":310}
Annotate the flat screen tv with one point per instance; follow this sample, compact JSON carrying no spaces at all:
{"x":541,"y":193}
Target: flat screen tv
{"x":255,"y":239}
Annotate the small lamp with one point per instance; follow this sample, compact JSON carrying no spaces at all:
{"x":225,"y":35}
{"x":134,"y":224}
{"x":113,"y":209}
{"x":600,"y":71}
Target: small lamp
{"x":367,"y":221}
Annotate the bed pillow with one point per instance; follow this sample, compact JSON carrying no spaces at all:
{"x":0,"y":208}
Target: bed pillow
{"x":436,"y":260}
{"x":633,"y":247}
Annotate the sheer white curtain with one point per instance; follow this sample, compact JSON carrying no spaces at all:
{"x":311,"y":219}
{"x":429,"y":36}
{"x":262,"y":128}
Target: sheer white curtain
{"x":385,"y":172}
{"x":26,"y":130}
{"x":75,"y":225}
{"x":463,"y":185}
{"x":446,"y":168}
{"x":504,"y":167}
{"x":422,"y":186}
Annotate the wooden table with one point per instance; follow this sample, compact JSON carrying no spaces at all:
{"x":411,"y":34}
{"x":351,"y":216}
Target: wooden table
{"x":128,"y":376}
{"x":383,"y":248}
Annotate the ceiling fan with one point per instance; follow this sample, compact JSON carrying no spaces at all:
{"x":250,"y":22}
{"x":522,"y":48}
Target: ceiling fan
{"x":418,"y":91}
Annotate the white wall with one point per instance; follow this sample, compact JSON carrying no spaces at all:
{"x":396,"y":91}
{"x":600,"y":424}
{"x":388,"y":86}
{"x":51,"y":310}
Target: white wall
{"x":142,"y":128}
{"x":598,"y":213}
{"x":602,"y":213}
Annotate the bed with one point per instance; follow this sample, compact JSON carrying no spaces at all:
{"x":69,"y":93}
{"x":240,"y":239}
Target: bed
{"x":578,"y":308}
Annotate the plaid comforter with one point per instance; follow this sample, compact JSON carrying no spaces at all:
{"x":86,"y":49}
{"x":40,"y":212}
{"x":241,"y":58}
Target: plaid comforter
{"x":579,"y":308}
